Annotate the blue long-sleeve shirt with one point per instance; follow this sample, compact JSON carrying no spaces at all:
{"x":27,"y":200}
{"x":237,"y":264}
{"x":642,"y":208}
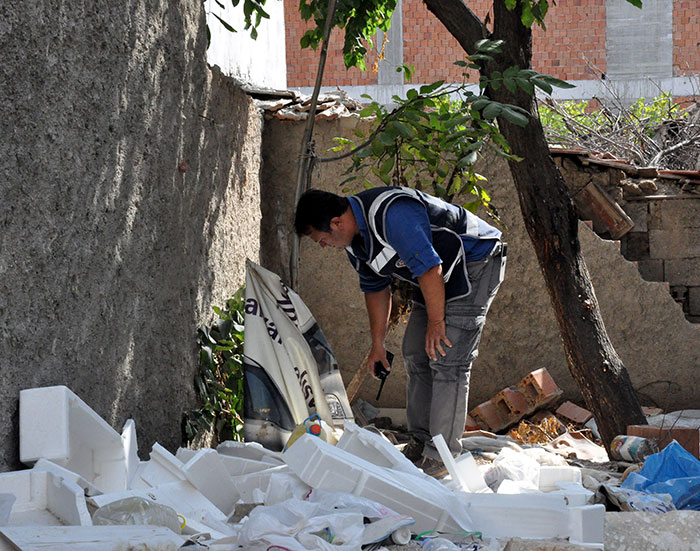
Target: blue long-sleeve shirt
{"x":408,"y":232}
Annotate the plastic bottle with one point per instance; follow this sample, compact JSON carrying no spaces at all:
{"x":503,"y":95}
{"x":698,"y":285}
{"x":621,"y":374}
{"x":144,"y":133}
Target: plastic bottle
{"x":137,"y":510}
{"x":439,"y":544}
{"x":632,"y":448}
{"x":311,"y":425}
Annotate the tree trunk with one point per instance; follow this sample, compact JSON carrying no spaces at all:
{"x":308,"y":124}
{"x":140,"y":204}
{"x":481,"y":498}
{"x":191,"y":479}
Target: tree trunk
{"x":552,"y":223}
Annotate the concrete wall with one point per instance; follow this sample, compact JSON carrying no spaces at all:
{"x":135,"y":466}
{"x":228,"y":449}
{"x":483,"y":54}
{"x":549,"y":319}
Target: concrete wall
{"x":129,"y":186}
{"x":648,"y":329}
{"x":261,"y":62}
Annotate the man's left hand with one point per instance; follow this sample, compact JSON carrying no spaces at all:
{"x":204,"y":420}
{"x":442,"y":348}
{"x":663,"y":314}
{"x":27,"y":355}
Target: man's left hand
{"x":434,"y":338}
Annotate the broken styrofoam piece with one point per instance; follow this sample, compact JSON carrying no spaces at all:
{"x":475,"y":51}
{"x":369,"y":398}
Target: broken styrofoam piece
{"x":375,"y":448}
{"x":85,"y":538}
{"x":271,"y":486}
{"x":323,"y":466}
{"x":44,"y":498}
{"x":200,"y":514}
{"x":185,"y":454}
{"x":57,"y":425}
{"x":464,"y":470}
{"x":206,"y":472}
{"x":50,"y":466}
{"x":550,"y":477}
{"x":576,"y":495}
{"x":131,"y":449}
{"x":250,"y":450}
{"x":6,"y":503}
{"x":586,"y":525}
{"x":162,"y":468}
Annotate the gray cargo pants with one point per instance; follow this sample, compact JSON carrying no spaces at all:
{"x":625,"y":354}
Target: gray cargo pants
{"x":437,"y":390}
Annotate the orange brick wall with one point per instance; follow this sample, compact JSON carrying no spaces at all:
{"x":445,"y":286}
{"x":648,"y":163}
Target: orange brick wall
{"x":303,"y":64}
{"x":429,"y":47}
{"x":575,"y":37}
{"x":686,"y":37}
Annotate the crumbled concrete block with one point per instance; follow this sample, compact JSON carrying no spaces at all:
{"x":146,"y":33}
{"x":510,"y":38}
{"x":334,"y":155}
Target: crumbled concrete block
{"x":574,"y":413}
{"x":57,"y":425}
{"x":670,"y":214}
{"x":635,"y":246}
{"x":675,"y":243}
{"x":638,"y":211}
{"x":694,"y":301}
{"x":651,"y":269}
{"x":682,"y":271}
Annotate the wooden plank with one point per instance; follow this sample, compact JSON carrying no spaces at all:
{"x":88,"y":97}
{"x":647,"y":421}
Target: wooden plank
{"x":87,"y":538}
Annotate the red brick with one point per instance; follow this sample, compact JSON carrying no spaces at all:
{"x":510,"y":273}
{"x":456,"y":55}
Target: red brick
{"x":574,"y":413}
{"x":488,"y":416}
{"x":687,"y":437}
{"x":539,"y":387}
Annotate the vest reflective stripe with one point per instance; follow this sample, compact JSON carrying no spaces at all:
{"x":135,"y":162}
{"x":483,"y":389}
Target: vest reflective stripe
{"x":382,"y":259}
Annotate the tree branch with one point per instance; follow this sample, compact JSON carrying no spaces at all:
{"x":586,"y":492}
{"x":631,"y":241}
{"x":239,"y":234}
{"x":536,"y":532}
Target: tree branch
{"x":460,"y":21}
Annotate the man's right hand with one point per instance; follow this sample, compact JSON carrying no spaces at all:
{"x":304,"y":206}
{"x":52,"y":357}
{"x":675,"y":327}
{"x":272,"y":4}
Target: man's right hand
{"x":376,"y":354}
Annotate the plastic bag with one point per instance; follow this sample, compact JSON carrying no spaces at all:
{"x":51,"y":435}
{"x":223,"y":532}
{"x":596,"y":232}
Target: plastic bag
{"x":672,"y":471}
{"x":137,"y":511}
{"x":515,"y":466}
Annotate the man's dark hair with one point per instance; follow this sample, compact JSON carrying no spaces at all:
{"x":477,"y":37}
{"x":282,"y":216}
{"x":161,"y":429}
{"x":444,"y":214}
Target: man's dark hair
{"x":316,"y":209}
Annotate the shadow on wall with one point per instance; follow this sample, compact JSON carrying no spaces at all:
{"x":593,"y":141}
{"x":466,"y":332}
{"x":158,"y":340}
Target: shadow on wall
{"x":123,"y":164}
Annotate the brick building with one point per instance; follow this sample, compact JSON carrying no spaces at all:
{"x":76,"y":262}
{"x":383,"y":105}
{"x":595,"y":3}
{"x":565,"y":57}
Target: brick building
{"x":638,"y":52}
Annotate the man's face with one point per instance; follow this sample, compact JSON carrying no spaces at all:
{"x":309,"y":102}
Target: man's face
{"x":339,"y":237}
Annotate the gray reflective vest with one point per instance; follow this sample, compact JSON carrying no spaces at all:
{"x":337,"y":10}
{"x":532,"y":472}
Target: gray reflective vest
{"x":448,"y":224}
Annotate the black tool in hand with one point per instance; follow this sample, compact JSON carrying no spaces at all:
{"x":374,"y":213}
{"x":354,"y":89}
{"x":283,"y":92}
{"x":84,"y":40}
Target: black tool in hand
{"x":382,"y":372}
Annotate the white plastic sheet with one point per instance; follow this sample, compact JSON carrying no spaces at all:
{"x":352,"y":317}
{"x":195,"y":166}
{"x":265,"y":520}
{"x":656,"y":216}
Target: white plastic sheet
{"x":291,"y":372}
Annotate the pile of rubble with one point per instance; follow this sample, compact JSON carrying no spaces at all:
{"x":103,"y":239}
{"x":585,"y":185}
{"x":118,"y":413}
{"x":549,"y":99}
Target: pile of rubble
{"x":88,"y":489}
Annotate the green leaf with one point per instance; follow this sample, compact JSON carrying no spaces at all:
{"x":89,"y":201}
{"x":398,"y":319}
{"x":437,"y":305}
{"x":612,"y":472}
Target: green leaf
{"x":480,"y":103}
{"x":412,"y":93}
{"x":428,"y":88}
{"x":387,"y":165}
{"x":377,"y":148}
{"x":636,"y":3}
{"x":510,"y":85}
{"x":510,"y":4}
{"x":467,"y":160}
{"x":367,"y":111}
{"x":402,"y":129}
{"x":226,"y":25}
{"x":461,"y":63}
{"x":542,"y":85}
{"x":556,"y":82}
{"x":492,"y":110}
{"x":525,"y":85}
{"x":516,"y":118}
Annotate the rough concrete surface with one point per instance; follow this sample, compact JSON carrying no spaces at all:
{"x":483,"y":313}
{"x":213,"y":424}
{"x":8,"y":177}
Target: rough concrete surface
{"x":675,"y":530}
{"x":129,"y":185}
{"x":647,"y":328}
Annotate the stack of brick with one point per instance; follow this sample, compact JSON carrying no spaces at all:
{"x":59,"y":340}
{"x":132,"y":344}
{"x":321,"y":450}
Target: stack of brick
{"x":534,"y":391}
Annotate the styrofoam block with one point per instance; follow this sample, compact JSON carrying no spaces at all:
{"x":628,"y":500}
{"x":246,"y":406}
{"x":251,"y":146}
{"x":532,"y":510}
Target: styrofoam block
{"x":576,"y":495}
{"x":50,"y":466}
{"x":238,"y":466}
{"x":550,"y":476}
{"x":185,"y":454}
{"x":206,"y":472}
{"x":162,"y":468}
{"x":44,"y":498}
{"x":200,"y":514}
{"x":432,"y":505}
{"x":88,"y":538}
{"x":131,"y":450}
{"x":532,"y":515}
{"x":374,"y":448}
{"x":250,"y":450}
{"x":464,"y":469}
{"x":55,"y":424}
{"x":586,"y":525}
